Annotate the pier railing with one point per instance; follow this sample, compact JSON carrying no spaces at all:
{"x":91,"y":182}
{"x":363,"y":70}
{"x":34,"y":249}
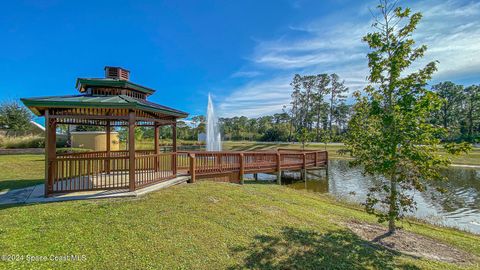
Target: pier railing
{"x":204,"y":164}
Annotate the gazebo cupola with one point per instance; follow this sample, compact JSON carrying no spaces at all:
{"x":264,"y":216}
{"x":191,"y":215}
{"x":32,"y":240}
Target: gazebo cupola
{"x":113,"y":101}
{"x":116,"y":82}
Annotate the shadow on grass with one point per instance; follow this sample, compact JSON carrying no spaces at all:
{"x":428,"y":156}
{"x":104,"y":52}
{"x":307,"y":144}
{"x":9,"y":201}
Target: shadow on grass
{"x":306,"y":249}
{"x":19,"y":183}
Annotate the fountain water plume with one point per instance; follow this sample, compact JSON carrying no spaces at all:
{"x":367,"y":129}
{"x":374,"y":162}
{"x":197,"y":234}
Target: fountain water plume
{"x":214,"y":140}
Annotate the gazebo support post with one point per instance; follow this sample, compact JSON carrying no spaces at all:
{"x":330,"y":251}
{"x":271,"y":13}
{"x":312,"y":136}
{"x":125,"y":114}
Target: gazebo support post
{"x":50,"y":151}
{"x":107,"y":161}
{"x":131,"y":150}
{"x":174,"y":148}
{"x":156,"y":147}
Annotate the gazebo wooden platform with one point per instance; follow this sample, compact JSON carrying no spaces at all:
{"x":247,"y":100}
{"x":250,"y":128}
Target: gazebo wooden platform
{"x":113,"y":102}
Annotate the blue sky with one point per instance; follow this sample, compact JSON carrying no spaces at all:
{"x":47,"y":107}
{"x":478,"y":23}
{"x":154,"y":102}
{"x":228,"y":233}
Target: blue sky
{"x":243,"y":52}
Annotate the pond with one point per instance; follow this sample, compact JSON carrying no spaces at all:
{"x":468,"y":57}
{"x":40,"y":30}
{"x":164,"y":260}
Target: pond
{"x":459,"y":207}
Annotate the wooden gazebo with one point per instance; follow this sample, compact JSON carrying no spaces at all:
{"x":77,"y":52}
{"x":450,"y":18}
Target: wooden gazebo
{"x":109,"y":102}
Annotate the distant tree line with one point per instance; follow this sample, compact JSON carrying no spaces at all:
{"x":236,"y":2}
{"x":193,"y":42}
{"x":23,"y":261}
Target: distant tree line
{"x":460,"y":111}
{"x":318,"y":112}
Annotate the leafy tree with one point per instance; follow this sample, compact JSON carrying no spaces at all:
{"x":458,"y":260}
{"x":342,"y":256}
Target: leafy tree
{"x":275,"y":134}
{"x":199,"y":125}
{"x":472,"y":112}
{"x":337,"y":95}
{"x":341,"y":114}
{"x":305,"y":136}
{"x":452,"y":96}
{"x":389,"y":133}
{"x":14,"y":116}
{"x":323,"y":80}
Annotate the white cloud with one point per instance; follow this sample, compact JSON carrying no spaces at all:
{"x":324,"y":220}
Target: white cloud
{"x":450,"y":29}
{"x":257,"y":98}
{"x":245,"y":74}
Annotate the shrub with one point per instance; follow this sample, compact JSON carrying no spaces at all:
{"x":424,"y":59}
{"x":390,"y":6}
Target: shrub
{"x":14,"y":116}
{"x":31,"y":141}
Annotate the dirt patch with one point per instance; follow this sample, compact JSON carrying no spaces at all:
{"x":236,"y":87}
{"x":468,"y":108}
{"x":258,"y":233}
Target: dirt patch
{"x":410,"y":243}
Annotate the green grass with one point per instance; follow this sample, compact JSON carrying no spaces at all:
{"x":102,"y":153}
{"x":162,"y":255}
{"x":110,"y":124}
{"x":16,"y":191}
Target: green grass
{"x":209,"y":226}
{"x":18,"y":171}
{"x":472,"y":158}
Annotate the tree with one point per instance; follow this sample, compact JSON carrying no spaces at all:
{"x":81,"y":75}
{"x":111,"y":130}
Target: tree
{"x":341,"y":114}
{"x":389,"y":133}
{"x":199,"y":125}
{"x":14,"y":116}
{"x":323,"y":81}
{"x":472,"y":112}
{"x":305,"y":136}
{"x":275,"y":134}
{"x":337,"y":95}
{"x":452,"y":96}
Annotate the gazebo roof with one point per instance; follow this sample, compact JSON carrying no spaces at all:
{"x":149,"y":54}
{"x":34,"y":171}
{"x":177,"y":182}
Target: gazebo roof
{"x":92,"y":101}
{"x":102,"y":95}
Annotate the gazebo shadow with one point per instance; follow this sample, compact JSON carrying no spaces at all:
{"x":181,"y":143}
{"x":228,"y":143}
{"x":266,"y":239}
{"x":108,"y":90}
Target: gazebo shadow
{"x":306,"y":249}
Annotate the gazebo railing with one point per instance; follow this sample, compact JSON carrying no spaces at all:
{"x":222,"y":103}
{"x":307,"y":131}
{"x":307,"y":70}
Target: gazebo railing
{"x":89,"y":173}
{"x":153,"y":168}
{"x":102,"y":170}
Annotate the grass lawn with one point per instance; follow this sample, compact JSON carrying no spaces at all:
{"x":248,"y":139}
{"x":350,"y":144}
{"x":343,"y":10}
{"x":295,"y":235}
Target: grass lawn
{"x":209,"y":226}
{"x":18,"y":171}
{"x":472,"y":158}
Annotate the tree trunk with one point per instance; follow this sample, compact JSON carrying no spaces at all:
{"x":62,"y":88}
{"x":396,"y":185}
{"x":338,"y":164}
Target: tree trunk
{"x":470,"y":121}
{"x":318,"y":125}
{"x":392,"y":212}
{"x":331,"y":116}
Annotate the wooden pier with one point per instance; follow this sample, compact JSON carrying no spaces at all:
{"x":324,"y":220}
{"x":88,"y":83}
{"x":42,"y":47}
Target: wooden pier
{"x":232,"y":166}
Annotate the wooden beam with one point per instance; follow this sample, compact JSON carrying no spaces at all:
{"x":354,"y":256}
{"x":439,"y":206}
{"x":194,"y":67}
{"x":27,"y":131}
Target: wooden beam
{"x":326,"y":162}
{"x":131,"y":150}
{"x":279,"y":169}
{"x":156,"y":146}
{"x":90,"y":117}
{"x":107,"y":161}
{"x":112,"y":117}
{"x":50,"y":151}
{"x":192,"y":167}
{"x":242,"y":168}
{"x":174,"y":148}
{"x":303,"y":171}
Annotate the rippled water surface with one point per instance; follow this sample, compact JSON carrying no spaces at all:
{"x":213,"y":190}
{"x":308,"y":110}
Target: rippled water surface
{"x":458,"y":207}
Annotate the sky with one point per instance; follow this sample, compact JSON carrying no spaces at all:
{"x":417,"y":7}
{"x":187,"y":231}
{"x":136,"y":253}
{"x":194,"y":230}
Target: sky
{"x":245,"y":53}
